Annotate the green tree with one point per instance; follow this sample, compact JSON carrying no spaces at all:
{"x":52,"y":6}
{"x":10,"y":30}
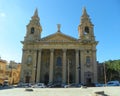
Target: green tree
{"x":112,"y":70}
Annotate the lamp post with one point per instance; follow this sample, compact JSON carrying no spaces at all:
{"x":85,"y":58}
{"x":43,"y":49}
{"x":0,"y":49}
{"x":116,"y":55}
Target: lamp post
{"x":104,"y":74}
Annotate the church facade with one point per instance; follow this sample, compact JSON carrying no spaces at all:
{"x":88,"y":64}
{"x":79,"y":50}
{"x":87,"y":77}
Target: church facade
{"x":59,"y":57}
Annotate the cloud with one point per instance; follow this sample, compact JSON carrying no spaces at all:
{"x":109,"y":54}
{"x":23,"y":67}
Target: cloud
{"x":2,"y":14}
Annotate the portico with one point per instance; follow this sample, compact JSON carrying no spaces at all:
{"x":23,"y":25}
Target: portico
{"x":56,"y":64}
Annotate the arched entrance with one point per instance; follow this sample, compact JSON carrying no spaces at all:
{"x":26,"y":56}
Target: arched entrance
{"x":58,"y":78}
{"x":46,"y":78}
{"x":71,"y":78}
{"x":88,"y":78}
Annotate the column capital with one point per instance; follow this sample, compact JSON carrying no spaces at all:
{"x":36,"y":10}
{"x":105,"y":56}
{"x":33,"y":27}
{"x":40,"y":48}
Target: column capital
{"x":51,"y":50}
{"x":77,"y":50}
{"x":40,"y":50}
{"x":64,"y":50}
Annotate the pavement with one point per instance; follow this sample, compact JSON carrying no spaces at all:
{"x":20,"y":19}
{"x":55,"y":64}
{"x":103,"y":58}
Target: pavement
{"x":89,"y":91}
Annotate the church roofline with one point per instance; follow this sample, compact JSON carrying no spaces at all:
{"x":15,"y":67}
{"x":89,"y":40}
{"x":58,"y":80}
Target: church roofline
{"x":44,"y":38}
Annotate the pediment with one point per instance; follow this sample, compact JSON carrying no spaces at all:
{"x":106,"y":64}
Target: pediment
{"x":58,"y":36}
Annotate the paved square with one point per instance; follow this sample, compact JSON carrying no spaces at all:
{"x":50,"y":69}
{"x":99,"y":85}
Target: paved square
{"x":109,"y":91}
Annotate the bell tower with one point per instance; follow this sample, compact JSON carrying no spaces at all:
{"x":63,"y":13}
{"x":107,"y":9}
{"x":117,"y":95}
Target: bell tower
{"x":88,"y":53}
{"x":34,"y":28}
{"x":86,"y":27}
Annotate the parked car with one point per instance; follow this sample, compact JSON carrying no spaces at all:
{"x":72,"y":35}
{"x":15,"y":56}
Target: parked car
{"x":54,"y":85}
{"x":50,"y":84}
{"x":1,"y":85}
{"x":63,"y":84}
{"x":39,"y":85}
{"x":113,"y":83}
{"x":67,"y":86}
{"x":5,"y":83}
{"x":79,"y":85}
{"x":25,"y":85}
{"x":99,"y":85}
{"x":73,"y":85}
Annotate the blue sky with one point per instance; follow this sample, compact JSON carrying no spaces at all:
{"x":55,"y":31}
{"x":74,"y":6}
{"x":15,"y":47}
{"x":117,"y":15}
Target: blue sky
{"x":16,"y":14}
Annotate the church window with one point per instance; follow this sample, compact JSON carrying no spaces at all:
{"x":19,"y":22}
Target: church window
{"x":59,"y":61}
{"x":87,"y":51}
{"x":86,"y":31}
{"x":32,"y":30}
{"x":29,"y":59}
{"x":88,"y":59}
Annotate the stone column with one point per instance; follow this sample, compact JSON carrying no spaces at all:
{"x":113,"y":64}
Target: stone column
{"x":64,"y":67}
{"x":51,"y":65}
{"x":34,"y":66}
{"x":39,"y":66}
{"x":77,"y":66}
{"x":82,"y":66}
{"x":94,"y":66}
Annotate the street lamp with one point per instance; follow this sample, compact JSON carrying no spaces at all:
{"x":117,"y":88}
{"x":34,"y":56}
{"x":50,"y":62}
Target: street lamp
{"x":104,"y":73}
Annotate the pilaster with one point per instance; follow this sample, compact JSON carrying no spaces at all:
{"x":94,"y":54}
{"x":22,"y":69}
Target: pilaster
{"x":34,"y":66}
{"x":94,"y":66}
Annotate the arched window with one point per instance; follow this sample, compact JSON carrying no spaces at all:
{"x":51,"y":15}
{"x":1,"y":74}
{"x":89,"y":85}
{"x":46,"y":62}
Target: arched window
{"x":59,"y":61}
{"x":29,"y":59}
{"x":86,"y":30}
{"x":32,"y":30}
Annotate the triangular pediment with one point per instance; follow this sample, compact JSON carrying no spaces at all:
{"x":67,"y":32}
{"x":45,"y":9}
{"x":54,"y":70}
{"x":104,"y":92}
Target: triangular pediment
{"x":58,"y":36}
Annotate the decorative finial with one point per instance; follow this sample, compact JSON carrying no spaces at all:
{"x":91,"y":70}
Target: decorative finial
{"x":35,"y":16}
{"x":36,"y":12}
{"x":58,"y":26}
{"x":84,"y":11}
